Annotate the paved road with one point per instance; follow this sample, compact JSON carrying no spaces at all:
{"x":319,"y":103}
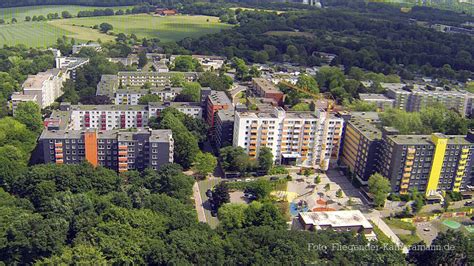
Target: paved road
{"x":198,"y":202}
{"x":375,"y":217}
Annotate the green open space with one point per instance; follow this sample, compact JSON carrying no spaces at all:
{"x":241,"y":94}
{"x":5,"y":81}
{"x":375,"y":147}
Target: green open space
{"x":34,"y":34}
{"x":171,"y":28}
{"x":21,"y":12}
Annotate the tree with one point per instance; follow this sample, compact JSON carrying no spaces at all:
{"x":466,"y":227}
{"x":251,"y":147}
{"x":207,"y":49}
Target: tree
{"x":220,"y":194}
{"x":261,"y":57}
{"x":308,"y":83}
{"x":214,"y":81}
{"x":149,"y":98}
{"x":14,"y":20}
{"x":12,"y":164}
{"x":29,"y":114}
{"x":177,"y":79}
{"x":27,"y":18}
{"x":232,"y":216}
{"x":379,"y":187}
{"x":259,"y":188}
{"x":339,"y":193}
{"x":234,"y":159}
{"x":105,"y":27}
{"x":142,"y":59}
{"x":327,"y":187}
{"x":185,"y":63}
{"x":66,"y":14}
{"x":80,"y":254}
{"x":265,"y":159}
{"x":205,"y":163}
{"x":2,"y":21}
{"x":317,"y":179}
{"x":191,"y":92}
{"x":240,"y":67}
{"x":453,"y":248}
{"x":300,"y":107}
{"x":361,"y":106}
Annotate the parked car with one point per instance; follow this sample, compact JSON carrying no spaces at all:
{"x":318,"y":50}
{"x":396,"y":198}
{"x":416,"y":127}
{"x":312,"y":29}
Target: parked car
{"x":469,"y":203}
{"x":274,"y":178}
{"x":426,"y":229}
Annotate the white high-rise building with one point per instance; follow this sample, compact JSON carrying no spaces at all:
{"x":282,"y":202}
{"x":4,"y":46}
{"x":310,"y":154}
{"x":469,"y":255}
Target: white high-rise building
{"x":45,"y":86}
{"x":295,"y":138}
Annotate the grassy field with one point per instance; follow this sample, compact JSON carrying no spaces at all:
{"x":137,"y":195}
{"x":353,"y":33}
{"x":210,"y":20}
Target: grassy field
{"x":21,"y":12}
{"x":172,"y":28}
{"x":34,"y":34}
{"x":44,"y":34}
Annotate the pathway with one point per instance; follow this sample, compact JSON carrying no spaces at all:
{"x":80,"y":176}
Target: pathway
{"x":375,"y":217}
{"x":198,"y":202}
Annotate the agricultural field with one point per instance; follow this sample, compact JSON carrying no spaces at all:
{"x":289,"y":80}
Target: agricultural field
{"x":33,"y":34}
{"x":173,"y":28}
{"x":21,"y":12}
{"x":44,"y":34}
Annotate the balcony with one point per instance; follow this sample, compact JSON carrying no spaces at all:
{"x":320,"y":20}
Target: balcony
{"x":409,"y":163}
{"x":123,"y":165}
{"x":410,"y":157}
{"x":404,"y":186}
{"x":406,"y":175}
{"x":407,"y":169}
{"x":60,"y":161}
{"x":121,"y":170}
{"x":58,"y":150}
{"x":122,"y":147}
{"x":464,"y":156}
{"x":58,"y":144}
{"x":252,"y":153}
{"x":123,"y":159}
{"x":59,"y":156}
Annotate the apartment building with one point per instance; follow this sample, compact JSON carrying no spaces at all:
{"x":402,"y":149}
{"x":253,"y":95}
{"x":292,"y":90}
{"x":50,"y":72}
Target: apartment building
{"x":69,"y":65}
{"x":45,"y":86}
{"x":307,"y":139}
{"x":156,"y":79}
{"x":266,"y":89}
{"x":78,"y":47}
{"x":429,"y":163}
{"x":114,"y":149}
{"x":18,"y":98}
{"x":109,"y":117}
{"x":224,"y":128}
{"x":381,"y":101}
{"x":362,"y":141}
{"x":131,"y":96}
{"x":415,"y":97}
{"x":216,"y":100}
{"x":192,"y":109}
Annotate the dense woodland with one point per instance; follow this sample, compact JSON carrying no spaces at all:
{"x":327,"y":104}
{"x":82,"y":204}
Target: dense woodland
{"x":358,"y":41}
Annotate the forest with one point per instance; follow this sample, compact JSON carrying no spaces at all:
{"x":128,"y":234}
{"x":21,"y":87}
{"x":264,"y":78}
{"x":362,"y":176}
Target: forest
{"x":388,"y":46}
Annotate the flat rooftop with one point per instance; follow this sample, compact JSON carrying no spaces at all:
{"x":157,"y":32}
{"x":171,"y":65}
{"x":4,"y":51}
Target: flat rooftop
{"x":374,"y":97}
{"x":336,"y":219}
{"x":109,"y":107}
{"x":226,"y":115}
{"x":219,"y":98}
{"x":366,"y":128}
{"x":141,"y":73}
{"x":160,"y":135}
{"x":266,"y":85}
{"x":426,"y":139}
{"x":37,"y":81}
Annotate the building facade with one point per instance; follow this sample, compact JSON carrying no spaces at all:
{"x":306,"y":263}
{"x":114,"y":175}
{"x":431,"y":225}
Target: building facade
{"x":114,"y":149}
{"x":46,"y":86}
{"x":131,"y":96}
{"x":224,"y":128}
{"x":307,"y":139}
{"x":266,"y":89}
{"x":415,"y":97}
{"x":216,"y":100}
{"x":155,"y":79}
{"x":430,"y":164}
{"x":362,"y":140}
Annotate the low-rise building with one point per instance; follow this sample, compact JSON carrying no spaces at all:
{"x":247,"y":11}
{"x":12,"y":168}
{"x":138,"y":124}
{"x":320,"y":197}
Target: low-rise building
{"x":155,"y":79}
{"x":307,"y":139}
{"x":69,"y":65}
{"x":78,"y":47}
{"x":340,"y":221}
{"x":192,"y":109}
{"x":381,"y":101}
{"x":131,"y":95}
{"x":265,"y":88}
{"x":114,"y":149}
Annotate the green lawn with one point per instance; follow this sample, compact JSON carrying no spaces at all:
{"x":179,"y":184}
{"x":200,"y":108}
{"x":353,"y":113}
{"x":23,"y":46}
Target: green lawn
{"x":34,"y":34}
{"x":21,"y":12}
{"x":173,"y":28}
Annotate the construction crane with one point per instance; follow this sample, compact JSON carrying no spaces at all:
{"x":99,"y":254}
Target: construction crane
{"x":330,"y":104}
